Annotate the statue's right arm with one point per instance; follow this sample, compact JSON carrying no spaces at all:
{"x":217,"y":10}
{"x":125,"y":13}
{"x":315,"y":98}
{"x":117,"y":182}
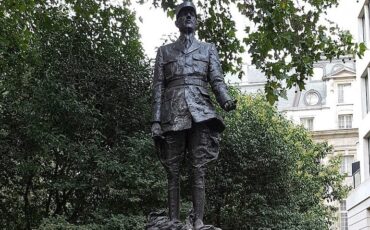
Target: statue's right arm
{"x":157,"y":94}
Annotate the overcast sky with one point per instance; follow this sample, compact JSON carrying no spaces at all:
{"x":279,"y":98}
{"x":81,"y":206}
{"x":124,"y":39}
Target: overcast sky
{"x":155,"y":25}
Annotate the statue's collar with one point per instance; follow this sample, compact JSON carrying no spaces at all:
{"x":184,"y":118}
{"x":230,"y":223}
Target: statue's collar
{"x":179,"y":45}
{"x":184,"y":37}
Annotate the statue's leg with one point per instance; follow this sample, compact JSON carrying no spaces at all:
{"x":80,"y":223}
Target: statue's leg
{"x":198,"y":195}
{"x":203,"y":147}
{"x":174,"y":151}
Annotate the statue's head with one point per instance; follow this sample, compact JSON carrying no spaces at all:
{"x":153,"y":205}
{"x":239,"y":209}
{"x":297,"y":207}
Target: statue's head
{"x":186,"y":17}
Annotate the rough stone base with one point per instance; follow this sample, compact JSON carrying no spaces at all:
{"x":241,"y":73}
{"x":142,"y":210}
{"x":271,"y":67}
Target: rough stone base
{"x":160,"y":221}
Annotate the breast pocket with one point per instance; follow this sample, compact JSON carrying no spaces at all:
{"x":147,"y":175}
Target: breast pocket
{"x":200,"y":63}
{"x":169,"y":67}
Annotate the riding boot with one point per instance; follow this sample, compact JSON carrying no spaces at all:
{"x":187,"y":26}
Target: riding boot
{"x":173,"y":192}
{"x":198,"y":195}
{"x":174,"y":203}
{"x":198,"y":205}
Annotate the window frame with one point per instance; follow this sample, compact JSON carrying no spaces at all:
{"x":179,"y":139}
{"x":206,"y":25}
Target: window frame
{"x":310,"y":123}
{"x":367,"y":92}
{"x":342,"y":95}
{"x":346,"y":165}
{"x":346,"y":123}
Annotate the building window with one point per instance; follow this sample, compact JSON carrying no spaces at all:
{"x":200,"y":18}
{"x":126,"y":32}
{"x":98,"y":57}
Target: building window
{"x":343,"y":206}
{"x":363,"y":35}
{"x":366,"y":30}
{"x":346,"y":167}
{"x":366,"y":88}
{"x":368,"y":151}
{"x":356,"y":174}
{"x":343,"y":92}
{"x":312,"y":97}
{"x":307,"y":123}
{"x":345,"y":121}
{"x":343,"y":216}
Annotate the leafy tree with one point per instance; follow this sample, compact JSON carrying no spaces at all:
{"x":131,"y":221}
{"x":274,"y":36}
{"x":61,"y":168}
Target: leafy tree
{"x":74,"y":115}
{"x":286,"y":38}
{"x":270,"y":174}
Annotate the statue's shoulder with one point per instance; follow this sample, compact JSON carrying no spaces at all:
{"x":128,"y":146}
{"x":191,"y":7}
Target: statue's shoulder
{"x":206,"y":45}
{"x":167,"y":47}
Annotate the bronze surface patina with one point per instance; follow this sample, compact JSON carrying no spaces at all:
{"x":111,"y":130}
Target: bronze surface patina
{"x":184,"y":119}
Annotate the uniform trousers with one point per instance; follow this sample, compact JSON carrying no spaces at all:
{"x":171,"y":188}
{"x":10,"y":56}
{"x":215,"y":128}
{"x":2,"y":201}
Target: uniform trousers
{"x":200,"y":145}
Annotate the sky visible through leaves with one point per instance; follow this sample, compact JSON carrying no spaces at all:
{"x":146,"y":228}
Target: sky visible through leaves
{"x":155,"y":25}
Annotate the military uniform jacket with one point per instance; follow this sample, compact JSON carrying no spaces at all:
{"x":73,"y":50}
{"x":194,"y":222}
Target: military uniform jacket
{"x":181,"y":82}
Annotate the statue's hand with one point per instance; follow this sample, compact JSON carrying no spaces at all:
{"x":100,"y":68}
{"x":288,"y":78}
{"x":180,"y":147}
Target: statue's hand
{"x":230,"y":105}
{"x":157,"y":131}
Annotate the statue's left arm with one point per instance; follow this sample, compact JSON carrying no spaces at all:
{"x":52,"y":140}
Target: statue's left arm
{"x":216,"y":79}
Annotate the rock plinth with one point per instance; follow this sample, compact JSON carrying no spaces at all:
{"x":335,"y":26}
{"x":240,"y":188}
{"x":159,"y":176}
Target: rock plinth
{"x":160,"y":221}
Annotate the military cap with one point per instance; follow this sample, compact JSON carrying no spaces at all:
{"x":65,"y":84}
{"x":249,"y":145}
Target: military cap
{"x":185,"y":4}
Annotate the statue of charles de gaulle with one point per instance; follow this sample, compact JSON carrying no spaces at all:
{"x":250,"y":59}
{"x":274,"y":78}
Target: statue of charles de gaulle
{"x":184,"y":119}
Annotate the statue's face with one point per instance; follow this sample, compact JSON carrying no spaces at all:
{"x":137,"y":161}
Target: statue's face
{"x":186,"y":20}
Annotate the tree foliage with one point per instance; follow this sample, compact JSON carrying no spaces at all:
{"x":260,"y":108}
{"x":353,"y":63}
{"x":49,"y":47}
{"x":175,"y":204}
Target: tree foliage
{"x":284,"y":38}
{"x":270,"y":175}
{"x":74,"y":114}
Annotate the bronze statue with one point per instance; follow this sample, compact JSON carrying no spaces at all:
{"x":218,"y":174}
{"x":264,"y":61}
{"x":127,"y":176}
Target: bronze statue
{"x":184,"y":119}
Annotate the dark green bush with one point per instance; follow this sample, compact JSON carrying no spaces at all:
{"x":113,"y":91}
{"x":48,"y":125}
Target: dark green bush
{"x":269,"y":173}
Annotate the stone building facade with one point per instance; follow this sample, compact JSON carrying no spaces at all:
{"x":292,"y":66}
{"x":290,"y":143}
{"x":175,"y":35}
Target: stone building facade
{"x":358,"y":201}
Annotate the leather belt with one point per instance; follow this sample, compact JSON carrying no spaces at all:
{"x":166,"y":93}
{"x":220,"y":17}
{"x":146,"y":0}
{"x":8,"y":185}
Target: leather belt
{"x":186,"y":81}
